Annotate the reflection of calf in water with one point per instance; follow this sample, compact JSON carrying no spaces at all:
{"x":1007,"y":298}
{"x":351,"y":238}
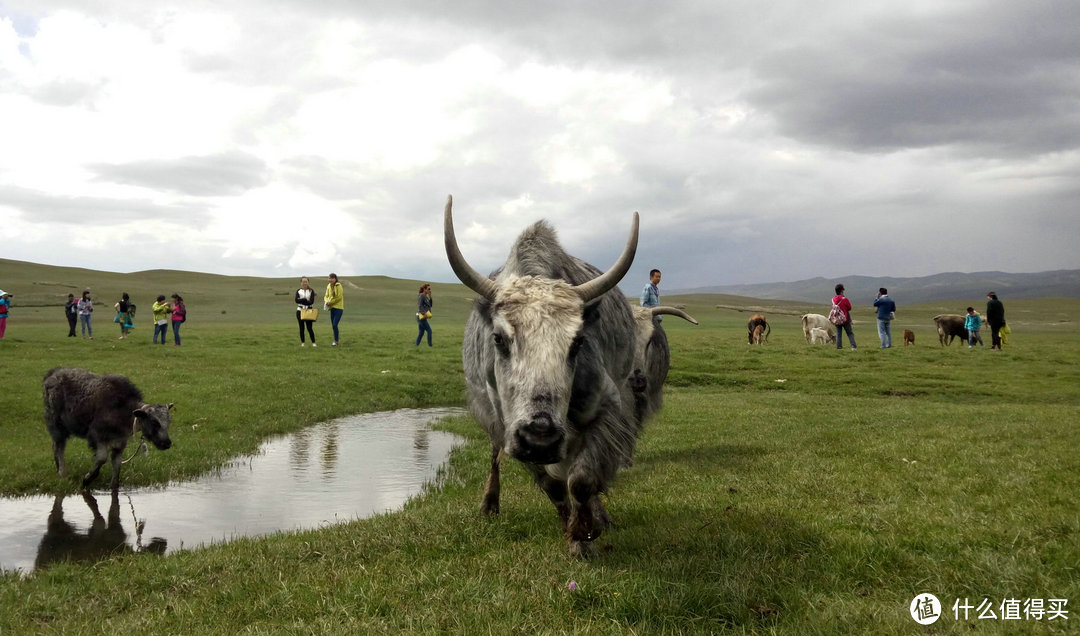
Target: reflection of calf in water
{"x":104,"y":538}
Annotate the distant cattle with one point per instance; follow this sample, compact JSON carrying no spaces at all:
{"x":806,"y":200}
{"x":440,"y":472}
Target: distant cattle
{"x":809,"y":321}
{"x":820,"y":336}
{"x":757,"y":329}
{"x":106,"y":410}
{"x":909,"y":337}
{"x":949,"y":327}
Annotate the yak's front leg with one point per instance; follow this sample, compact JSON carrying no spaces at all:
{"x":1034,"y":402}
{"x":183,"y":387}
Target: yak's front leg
{"x":490,"y":504}
{"x":602,"y":452}
{"x":116,"y":455}
{"x":101,"y":455}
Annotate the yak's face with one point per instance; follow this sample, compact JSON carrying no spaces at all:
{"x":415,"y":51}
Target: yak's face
{"x":154,"y":421}
{"x":536,"y":336}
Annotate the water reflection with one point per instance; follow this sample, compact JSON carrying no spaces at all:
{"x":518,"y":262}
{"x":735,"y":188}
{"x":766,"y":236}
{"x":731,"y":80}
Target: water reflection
{"x":337,"y":471}
{"x":66,"y":541}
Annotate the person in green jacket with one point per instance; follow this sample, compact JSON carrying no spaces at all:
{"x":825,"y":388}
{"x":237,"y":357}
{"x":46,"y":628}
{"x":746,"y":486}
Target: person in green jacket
{"x":334,"y":300}
{"x":161,"y":318}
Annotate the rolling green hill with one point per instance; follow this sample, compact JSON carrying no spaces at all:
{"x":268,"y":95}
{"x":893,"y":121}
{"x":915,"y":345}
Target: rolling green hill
{"x":41,"y":290}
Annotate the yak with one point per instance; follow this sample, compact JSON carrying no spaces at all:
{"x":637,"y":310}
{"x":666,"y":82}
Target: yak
{"x":106,"y":410}
{"x":652,"y":359}
{"x":548,"y":347}
{"x":757,"y":329}
{"x":949,"y":327}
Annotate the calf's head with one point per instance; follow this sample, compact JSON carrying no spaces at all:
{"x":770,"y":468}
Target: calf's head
{"x":154,"y":420}
{"x":537,"y":335}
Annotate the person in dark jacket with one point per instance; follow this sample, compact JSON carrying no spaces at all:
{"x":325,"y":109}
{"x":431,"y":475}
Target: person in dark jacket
{"x":423,"y":313}
{"x":71,"y":310}
{"x":995,"y":317}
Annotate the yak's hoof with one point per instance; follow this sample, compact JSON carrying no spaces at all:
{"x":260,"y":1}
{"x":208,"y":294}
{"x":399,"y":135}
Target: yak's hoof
{"x":582,"y":549}
{"x":490,"y":508}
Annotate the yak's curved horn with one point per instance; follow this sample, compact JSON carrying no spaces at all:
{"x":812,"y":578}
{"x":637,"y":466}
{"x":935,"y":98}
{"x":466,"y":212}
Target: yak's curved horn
{"x":673,"y":311}
{"x":609,"y":279}
{"x":473,"y":279}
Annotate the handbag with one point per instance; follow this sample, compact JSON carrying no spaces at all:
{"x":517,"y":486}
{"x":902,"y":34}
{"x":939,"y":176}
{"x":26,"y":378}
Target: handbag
{"x":310,"y":313}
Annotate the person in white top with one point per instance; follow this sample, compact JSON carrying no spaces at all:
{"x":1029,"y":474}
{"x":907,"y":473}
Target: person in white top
{"x":305,"y":298}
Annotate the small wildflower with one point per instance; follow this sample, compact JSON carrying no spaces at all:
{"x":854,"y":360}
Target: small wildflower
{"x":572,"y":586}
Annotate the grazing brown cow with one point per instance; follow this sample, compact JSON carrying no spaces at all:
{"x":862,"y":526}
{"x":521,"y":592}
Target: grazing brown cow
{"x":950,"y":326}
{"x":909,"y":337}
{"x":757,"y":329}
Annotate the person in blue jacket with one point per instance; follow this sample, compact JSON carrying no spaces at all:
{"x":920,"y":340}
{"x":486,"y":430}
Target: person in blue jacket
{"x":886,"y":311}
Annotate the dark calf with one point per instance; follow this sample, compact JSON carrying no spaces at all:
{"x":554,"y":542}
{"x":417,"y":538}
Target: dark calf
{"x":106,"y":410}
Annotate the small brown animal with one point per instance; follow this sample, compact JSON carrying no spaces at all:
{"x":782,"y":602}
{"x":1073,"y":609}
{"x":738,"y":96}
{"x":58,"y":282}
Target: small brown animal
{"x":757,"y":330}
{"x":909,"y":337}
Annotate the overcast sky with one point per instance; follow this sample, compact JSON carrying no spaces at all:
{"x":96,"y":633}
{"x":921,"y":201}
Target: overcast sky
{"x":759,"y":141}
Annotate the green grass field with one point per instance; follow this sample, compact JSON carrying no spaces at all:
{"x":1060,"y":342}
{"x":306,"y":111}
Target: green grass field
{"x":788,"y":488}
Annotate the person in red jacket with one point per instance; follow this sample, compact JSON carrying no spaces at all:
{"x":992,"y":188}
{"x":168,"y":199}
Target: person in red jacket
{"x":841,"y":301}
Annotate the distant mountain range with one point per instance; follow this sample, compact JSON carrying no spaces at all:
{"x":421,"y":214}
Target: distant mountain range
{"x":1063,"y":283}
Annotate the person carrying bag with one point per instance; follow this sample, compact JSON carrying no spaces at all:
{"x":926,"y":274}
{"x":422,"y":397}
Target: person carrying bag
{"x":423,"y":314}
{"x":306,"y":315}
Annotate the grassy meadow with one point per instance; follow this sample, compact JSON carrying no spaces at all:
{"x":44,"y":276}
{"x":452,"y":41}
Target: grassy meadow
{"x":783,"y":489}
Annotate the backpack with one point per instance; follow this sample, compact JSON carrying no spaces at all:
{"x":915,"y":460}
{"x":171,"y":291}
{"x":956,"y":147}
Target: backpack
{"x":837,"y":315}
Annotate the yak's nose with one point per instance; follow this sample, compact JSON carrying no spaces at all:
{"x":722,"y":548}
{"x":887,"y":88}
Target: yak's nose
{"x":165,"y":444}
{"x":539,"y":441}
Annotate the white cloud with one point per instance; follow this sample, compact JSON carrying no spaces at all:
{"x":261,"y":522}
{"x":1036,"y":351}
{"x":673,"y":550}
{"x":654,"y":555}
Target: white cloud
{"x":300,"y":136}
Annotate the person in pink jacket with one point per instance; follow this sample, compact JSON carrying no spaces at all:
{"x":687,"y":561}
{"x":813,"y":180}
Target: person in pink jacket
{"x":841,"y":301}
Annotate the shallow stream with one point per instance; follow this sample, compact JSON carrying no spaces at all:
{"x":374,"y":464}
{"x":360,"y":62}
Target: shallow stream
{"x":337,"y":471}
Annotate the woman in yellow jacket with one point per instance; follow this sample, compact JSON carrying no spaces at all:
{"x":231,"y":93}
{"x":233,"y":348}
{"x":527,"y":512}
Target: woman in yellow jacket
{"x":334,"y":300}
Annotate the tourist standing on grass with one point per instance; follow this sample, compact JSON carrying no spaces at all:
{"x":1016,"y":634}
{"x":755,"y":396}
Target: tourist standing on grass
{"x":995,"y":317}
{"x":179,"y":315}
{"x":423,"y":313}
{"x":5,"y":303}
{"x":334,"y":300}
{"x":161,"y":318}
{"x":305,"y":298}
{"x":123,"y":315}
{"x":841,"y":301}
{"x":71,"y":310}
{"x":973,"y":323}
{"x":886,"y":311}
{"x":86,"y":312}
{"x":650,"y":294}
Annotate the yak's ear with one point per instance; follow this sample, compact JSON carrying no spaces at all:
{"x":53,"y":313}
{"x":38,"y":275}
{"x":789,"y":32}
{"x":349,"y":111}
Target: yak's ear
{"x":168,"y":407}
{"x":591,"y":312}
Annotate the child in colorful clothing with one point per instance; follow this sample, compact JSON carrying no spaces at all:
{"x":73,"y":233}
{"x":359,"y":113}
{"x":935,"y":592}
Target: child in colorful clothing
{"x":5,"y":302}
{"x":973,"y":322}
